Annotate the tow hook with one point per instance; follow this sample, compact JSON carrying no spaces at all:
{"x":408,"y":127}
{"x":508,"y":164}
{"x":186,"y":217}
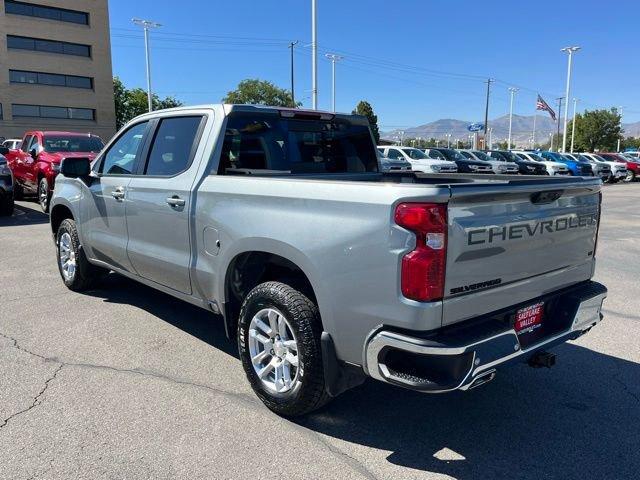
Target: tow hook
{"x":542,"y":359}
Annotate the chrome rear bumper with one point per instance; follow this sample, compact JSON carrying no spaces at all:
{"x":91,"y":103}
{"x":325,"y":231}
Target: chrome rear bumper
{"x":466,"y":365}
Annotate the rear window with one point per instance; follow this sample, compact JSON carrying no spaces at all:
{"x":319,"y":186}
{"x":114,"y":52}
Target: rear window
{"x":55,"y":144}
{"x":269,"y":143}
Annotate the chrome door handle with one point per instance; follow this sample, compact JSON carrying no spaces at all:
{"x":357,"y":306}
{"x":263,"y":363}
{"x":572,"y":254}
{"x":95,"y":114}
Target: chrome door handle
{"x":176,"y":201}
{"x":118,"y":193}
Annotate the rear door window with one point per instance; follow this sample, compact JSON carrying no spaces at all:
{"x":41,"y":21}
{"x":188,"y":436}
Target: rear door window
{"x":173,"y":146}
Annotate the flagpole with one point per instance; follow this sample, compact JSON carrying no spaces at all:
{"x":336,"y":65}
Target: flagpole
{"x":533,"y":139}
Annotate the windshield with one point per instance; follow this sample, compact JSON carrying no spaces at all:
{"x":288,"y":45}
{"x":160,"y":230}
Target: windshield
{"x":512,"y":157}
{"x":415,"y":153}
{"x":482,"y":155}
{"x":54,"y":144}
{"x":268,"y":142}
{"x":451,"y":154}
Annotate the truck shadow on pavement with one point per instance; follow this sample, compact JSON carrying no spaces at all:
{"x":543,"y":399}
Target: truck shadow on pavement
{"x":580,"y":419}
{"x":195,"y":321}
{"x":25,"y":214}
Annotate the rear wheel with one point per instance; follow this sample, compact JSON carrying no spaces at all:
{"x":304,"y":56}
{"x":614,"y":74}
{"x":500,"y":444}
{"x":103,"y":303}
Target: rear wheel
{"x":279,"y":343}
{"x":76,"y":271}
{"x":43,"y":194}
{"x":631,"y":176}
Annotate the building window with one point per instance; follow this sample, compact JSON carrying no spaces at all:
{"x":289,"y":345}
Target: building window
{"x":44,"y":11}
{"x":54,"y":79}
{"x":45,"y":111}
{"x":51,"y":46}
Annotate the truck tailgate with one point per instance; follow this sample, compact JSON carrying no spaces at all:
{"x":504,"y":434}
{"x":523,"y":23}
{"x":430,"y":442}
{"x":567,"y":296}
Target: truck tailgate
{"x":507,"y":245}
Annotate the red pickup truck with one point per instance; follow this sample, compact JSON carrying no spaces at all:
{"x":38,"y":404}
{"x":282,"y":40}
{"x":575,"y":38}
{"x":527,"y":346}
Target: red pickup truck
{"x":36,"y":162}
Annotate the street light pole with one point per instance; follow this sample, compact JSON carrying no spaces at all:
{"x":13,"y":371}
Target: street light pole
{"x":334,"y":58}
{"x":551,"y":142}
{"x":146,"y":25}
{"x":620,"y":109}
{"x":560,"y":116}
{"x":314,"y":55}
{"x":570,"y":51}
{"x":486,"y":107}
{"x":293,"y":96}
{"x":573,"y":123}
{"x":512,"y":91}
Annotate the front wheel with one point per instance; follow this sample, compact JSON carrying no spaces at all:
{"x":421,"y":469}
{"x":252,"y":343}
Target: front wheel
{"x":279,"y":343}
{"x":631,"y":176}
{"x":76,"y":271}
{"x":44,"y":196}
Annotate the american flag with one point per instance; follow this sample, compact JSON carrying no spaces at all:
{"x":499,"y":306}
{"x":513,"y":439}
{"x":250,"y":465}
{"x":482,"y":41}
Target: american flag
{"x":542,"y":105}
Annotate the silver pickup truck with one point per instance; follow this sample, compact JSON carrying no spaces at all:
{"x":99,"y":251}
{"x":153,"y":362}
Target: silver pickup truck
{"x":325,"y":270}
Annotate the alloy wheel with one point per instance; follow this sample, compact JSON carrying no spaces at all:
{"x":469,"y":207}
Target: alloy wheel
{"x":67,"y":257}
{"x":274,"y":350}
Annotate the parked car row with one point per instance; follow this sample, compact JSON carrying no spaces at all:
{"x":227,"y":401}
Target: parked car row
{"x":610,"y":167}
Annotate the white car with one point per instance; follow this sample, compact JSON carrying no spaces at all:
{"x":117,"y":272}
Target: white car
{"x":502,"y":168}
{"x":553,"y":168}
{"x":618,"y":169}
{"x":419,"y":161}
{"x":12,"y":143}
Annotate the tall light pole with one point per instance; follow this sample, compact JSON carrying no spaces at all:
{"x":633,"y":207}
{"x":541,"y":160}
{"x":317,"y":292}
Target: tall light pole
{"x":314,"y":55}
{"x":293,"y":96}
{"x":559,"y":117}
{"x":334,"y":58}
{"x":490,"y":139}
{"x":486,"y":107}
{"x":512,"y":91}
{"x":570,"y":51}
{"x":146,"y":25}
{"x":402,"y":138}
{"x":551,"y":142}
{"x":620,"y":110}
{"x":573,"y":123}
{"x":448,"y":135}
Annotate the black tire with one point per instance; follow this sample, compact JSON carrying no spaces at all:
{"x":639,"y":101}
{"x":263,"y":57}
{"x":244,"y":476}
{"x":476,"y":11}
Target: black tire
{"x":631,"y":176}
{"x":6,"y":204}
{"x":44,"y":196}
{"x":18,"y":192}
{"x":86,"y":274}
{"x":302,"y":315}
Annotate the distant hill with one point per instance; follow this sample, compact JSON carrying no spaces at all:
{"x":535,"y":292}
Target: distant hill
{"x":521,"y":130}
{"x":631,"y":129}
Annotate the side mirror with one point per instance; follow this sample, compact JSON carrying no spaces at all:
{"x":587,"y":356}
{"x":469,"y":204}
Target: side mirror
{"x":4,"y":150}
{"x":77,"y":167}
{"x":34,"y":153}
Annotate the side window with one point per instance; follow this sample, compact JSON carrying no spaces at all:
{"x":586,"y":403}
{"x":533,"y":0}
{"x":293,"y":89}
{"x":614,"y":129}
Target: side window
{"x":121,"y":157}
{"x":466,"y":154}
{"x":34,"y":144}
{"x":171,"y":151}
{"x":394,"y":154}
{"x":25,"y":143}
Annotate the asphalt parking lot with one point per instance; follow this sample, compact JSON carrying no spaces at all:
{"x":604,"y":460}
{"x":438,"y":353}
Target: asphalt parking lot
{"x":125,"y":382}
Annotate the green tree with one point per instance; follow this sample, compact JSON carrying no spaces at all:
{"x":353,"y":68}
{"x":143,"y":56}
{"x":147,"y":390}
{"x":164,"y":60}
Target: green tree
{"x":365,"y":108}
{"x":596,"y":130}
{"x":260,"y":92}
{"x":133,"y":102}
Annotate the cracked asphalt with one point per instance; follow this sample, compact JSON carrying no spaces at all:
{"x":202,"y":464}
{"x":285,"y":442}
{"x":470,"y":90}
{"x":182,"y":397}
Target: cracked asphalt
{"x":125,"y":382}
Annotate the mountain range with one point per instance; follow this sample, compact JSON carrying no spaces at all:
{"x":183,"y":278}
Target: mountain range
{"x":521,"y":129}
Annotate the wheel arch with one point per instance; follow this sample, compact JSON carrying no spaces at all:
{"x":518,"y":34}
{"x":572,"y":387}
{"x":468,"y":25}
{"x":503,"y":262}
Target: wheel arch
{"x":58,"y":214}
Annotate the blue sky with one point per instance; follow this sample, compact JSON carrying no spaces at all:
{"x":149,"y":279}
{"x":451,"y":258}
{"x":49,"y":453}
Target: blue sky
{"x":414,"y":61}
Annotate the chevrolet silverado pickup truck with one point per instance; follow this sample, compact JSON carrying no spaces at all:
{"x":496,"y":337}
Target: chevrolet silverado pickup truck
{"x":325,"y":270}
{"x":37,"y":162}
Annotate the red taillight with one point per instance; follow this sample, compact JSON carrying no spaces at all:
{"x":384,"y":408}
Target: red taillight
{"x":423,"y":269}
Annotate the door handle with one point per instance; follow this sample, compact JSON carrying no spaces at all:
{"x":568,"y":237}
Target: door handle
{"x":176,"y":201}
{"x":118,"y":193}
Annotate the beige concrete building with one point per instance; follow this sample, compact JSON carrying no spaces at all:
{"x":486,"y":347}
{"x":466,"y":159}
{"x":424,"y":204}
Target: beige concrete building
{"x":55,"y":67}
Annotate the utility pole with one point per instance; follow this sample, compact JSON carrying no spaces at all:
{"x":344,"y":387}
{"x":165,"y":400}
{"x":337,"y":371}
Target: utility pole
{"x":570,"y":51}
{"x":334,"y":58}
{"x":512,"y":91}
{"x":146,"y":25}
{"x":486,"y":108}
{"x":573,"y":123}
{"x":448,"y":135}
{"x":559,"y":116}
{"x":314,"y":55}
{"x":293,"y":96}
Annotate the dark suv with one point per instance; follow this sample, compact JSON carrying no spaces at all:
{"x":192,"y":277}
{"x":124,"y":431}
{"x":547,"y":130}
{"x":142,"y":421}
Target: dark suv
{"x":6,"y":185}
{"x":525,"y":167}
{"x":464,"y":164}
